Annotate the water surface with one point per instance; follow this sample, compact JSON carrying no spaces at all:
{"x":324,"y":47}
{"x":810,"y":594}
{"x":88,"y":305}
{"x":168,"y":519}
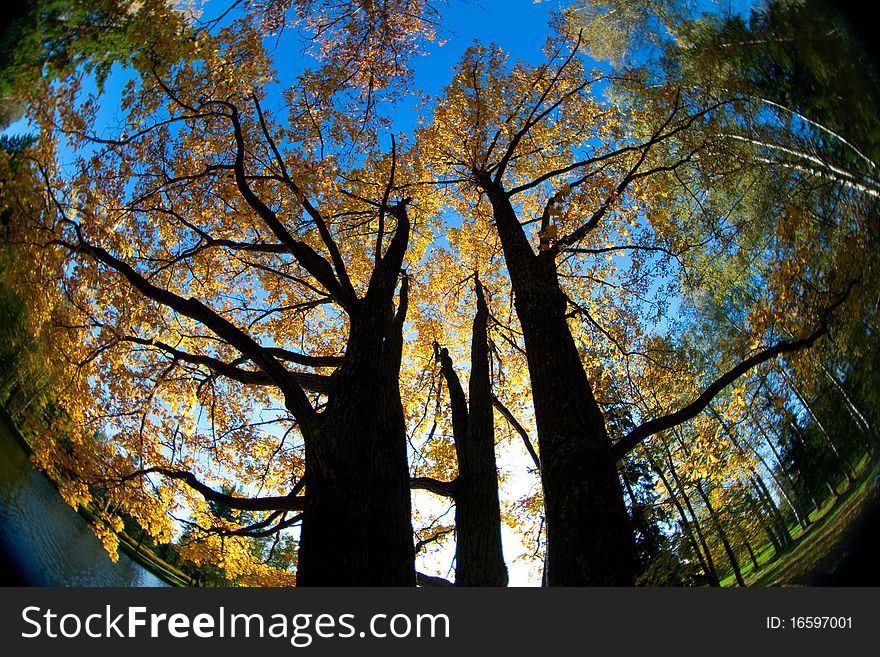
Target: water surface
{"x":43,"y":542}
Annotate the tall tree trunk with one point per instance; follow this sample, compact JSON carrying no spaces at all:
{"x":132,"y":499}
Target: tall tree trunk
{"x":716,"y":521}
{"x":758,"y":482}
{"x":759,"y":509}
{"x":796,"y":432}
{"x":722,"y":534}
{"x":357,"y":528}
{"x":589,"y":536}
{"x":640,"y":521}
{"x":751,"y":552}
{"x":766,"y":498}
{"x":788,"y":491}
{"x":866,"y":429}
{"x":845,"y":464}
{"x":701,"y":549}
{"x":479,"y":560}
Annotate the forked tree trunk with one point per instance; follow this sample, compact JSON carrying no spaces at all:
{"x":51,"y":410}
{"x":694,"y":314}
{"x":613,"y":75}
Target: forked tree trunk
{"x":479,"y":560}
{"x":357,"y":528}
{"x":478,"y":556}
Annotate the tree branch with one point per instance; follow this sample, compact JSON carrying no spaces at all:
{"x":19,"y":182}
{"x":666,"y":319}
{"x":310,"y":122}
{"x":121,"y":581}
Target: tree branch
{"x":508,"y":415}
{"x":457,"y":398}
{"x":443,"y":488}
{"x":305,"y":359}
{"x":430,"y":580}
{"x":289,"y":502}
{"x":534,"y":116}
{"x":306,"y":255}
{"x":383,"y":280}
{"x":295,"y":398}
{"x":312,"y":382}
{"x":631,"y":440}
{"x":386,"y":195}
{"x":261,"y":529}
{"x":658,"y":136}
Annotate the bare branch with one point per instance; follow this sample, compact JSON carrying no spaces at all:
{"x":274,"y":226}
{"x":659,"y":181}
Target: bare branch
{"x":443,"y":488}
{"x":631,"y":440}
{"x":431,"y":580}
{"x":306,"y":255}
{"x":311,"y":382}
{"x":295,"y":397}
{"x":511,"y":419}
{"x":457,"y":398}
{"x":289,"y":502}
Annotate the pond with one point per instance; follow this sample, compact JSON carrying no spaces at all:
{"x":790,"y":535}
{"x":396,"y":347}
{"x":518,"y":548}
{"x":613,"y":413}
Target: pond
{"x":43,"y":542}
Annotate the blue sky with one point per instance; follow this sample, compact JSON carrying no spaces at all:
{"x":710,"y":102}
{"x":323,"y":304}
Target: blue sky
{"x":518,"y":26}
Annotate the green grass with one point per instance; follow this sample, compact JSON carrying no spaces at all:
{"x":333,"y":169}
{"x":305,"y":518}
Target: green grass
{"x":812,"y":547}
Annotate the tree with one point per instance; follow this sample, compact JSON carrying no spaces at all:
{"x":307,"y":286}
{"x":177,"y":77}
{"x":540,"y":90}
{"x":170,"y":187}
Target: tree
{"x":478,"y":554}
{"x":516,"y":140}
{"x":195,"y":199}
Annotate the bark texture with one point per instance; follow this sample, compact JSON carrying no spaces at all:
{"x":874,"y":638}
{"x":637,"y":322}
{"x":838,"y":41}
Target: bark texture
{"x":479,"y":559}
{"x":356,"y":527}
{"x":590,"y":540}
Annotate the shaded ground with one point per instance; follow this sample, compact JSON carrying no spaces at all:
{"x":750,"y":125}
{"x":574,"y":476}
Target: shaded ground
{"x":10,"y":574}
{"x":855,"y":561}
{"x":842,"y":548}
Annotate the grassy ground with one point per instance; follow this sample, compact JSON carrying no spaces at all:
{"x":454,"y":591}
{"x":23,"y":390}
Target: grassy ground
{"x":835,"y":533}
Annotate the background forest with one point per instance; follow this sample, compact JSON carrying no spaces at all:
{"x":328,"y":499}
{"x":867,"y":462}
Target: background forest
{"x":362,"y":292}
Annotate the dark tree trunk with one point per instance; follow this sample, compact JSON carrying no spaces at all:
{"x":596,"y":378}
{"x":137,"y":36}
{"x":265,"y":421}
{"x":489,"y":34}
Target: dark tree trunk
{"x":704,"y":555}
{"x":766,"y":498}
{"x":479,"y":560}
{"x":589,"y":535}
{"x":357,"y":528}
{"x":478,"y":555}
{"x":786,"y":488}
{"x":751,"y":552}
{"x":722,"y":535}
{"x":711,"y":570}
